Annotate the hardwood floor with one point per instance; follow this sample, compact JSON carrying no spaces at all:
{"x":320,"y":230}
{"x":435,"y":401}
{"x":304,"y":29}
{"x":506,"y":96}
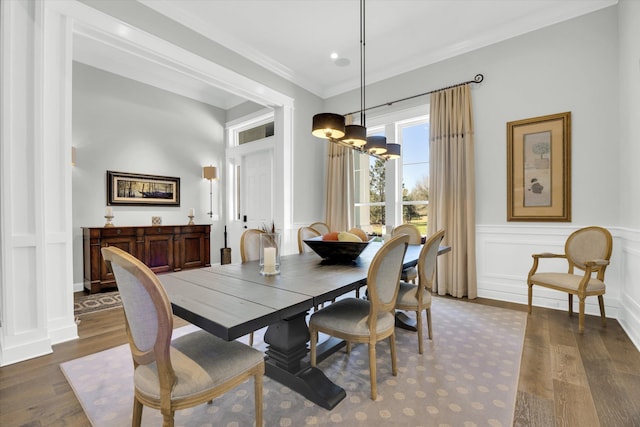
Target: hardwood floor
{"x":566,"y":379}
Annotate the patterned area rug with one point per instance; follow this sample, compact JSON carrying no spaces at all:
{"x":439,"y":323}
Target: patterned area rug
{"x":90,"y":303}
{"x":467,"y":376}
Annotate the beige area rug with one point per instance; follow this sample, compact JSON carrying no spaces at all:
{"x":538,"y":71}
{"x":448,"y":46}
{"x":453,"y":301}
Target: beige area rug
{"x":467,"y":376}
{"x":90,"y":303}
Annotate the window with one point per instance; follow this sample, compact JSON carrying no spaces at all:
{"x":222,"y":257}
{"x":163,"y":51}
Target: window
{"x":414,"y":138}
{"x":396,"y":191}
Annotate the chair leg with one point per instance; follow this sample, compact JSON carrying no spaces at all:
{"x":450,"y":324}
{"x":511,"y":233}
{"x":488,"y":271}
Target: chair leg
{"x":428,"y":310}
{"x":372,"y":370}
{"x":419,"y":328}
{"x":167,"y":419}
{"x":258,"y":398}
{"x":394,"y":358}
{"x":137,"y":413}
{"x":570,"y":304}
{"x":313,"y":339}
{"x":602,"y":316}
{"x":581,"y":316}
{"x":530,"y":296}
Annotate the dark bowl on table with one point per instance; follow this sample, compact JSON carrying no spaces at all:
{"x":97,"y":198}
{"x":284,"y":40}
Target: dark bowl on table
{"x":335,"y":250}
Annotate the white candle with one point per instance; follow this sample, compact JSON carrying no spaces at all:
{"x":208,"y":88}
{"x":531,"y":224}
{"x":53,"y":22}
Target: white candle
{"x":269,"y":260}
{"x":192,"y":212}
{"x":109,"y":211}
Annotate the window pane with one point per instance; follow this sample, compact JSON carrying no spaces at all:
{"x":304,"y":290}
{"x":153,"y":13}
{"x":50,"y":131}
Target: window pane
{"x":415,"y":174}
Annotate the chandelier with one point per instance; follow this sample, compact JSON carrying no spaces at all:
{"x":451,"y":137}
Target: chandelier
{"x":333,"y":126}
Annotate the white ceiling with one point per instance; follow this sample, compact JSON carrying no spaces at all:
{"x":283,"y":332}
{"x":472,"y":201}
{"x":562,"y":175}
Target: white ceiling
{"x":294,"y":38}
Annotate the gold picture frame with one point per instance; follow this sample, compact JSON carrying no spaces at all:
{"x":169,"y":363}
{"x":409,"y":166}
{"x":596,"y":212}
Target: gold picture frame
{"x":134,"y":189}
{"x":539,"y":168}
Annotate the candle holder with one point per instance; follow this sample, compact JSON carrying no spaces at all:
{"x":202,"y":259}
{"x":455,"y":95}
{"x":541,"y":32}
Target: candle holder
{"x":109,"y":221}
{"x":191,"y":220}
{"x":269,"y":254}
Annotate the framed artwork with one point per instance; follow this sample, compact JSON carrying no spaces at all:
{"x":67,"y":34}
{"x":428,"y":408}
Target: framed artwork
{"x":134,"y":189}
{"x":539,"y":168}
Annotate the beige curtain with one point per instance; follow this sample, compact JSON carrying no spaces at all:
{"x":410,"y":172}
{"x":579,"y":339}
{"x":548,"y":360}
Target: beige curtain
{"x":340,"y":188}
{"x":452,"y":189}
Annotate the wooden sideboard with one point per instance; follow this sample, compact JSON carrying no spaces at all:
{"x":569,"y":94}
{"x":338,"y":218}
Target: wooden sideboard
{"x":163,"y":248}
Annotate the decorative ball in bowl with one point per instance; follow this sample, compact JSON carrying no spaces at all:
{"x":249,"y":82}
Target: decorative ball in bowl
{"x":335,"y":250}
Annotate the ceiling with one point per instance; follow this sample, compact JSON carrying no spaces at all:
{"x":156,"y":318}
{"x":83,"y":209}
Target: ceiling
{"x":295,"y":38}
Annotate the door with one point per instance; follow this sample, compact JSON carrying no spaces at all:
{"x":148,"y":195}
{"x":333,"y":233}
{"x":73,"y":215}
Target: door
{"x":252,"y":192}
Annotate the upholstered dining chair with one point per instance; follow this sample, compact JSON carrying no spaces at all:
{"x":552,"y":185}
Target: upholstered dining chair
{"x":306,"y":233}
{"x":170,"y":375}
{"x":418,"y":297}
{"x":409,"y":274}
{"x":250,"y":245}
{"x":320,"y":227}
{"x":367,"y":321}
{"x":250,"y":251}
{"x":587,"y":249}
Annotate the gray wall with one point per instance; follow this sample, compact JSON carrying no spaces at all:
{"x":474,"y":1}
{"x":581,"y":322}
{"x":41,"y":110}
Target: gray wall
{"x":571,"y":66}
{"x":122,"y":125}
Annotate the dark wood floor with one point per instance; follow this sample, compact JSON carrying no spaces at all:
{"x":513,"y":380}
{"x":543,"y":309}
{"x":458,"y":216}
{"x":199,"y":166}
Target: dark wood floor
{"x":566,"y":379}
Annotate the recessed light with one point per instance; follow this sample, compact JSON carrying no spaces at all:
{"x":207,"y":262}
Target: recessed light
{"x":334,"y":55}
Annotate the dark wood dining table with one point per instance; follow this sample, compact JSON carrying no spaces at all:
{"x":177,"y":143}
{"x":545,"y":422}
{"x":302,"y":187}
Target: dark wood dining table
{"x":233,"y":300}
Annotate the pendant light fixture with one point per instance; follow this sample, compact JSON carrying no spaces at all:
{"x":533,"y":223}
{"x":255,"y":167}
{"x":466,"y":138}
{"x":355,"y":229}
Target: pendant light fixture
{"x":332,"y":126}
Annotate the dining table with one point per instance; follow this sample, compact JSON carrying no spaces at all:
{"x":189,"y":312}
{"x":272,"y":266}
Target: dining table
{"x":233,"y":300}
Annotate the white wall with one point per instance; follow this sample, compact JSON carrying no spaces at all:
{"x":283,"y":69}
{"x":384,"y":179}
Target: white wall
{"x":629,"y":172}
{"x":126,"y":126}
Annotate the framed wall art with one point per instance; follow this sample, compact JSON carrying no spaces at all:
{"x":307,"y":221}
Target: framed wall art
{"x":539,"y":168}
{"x":133,"y":189}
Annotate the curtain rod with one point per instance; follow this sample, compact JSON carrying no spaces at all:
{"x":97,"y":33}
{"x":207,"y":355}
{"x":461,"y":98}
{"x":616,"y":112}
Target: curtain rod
{"x":477,"y":79}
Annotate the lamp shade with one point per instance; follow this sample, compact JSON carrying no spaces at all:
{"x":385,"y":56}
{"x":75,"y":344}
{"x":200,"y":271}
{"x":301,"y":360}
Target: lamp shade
{"x":393,"y":151}
{"x":376,"y":144}
{"x":328,"y":125}
{"x":209,"y":172}
{"x":355,"y":135}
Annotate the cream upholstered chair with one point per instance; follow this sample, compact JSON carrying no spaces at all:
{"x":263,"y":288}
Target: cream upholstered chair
{"x":418,"y":297}
{"x":409,"y":274}
{"x":250,"y":245}
{"x":306,"y":233}
{"x":250,"y":251}
{"x":367,"y":321}
{"x":188,"y":371}
{"x":587,"y":249}
{"x":320,"y":227}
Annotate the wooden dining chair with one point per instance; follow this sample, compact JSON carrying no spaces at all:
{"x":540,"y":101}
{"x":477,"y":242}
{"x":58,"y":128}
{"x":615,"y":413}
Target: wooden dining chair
{"x":587,"y":249}
{"x":321,"y":227}
{"x":170,"y":375}
{"x":250,"y":245}
{"x":367,"y":321}
{"x":417,"y":298}
{"x":250,"y":251}
{"x":306,"y":233}
{"x":409,"y":274}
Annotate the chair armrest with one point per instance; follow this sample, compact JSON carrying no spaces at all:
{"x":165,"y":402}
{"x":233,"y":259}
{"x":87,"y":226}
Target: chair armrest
{"x":597,"y":263}
{"x":548,"y":255}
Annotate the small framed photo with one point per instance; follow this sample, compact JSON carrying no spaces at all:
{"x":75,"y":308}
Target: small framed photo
{"x":539,"y":168}
{"x":132,"y":189}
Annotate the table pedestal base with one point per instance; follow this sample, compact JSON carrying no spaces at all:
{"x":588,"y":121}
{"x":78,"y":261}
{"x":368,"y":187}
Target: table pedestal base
{"x":405,"y":322}
{"x":287,"y":340}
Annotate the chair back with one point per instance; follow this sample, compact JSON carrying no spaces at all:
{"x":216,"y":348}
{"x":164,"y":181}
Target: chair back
{"x":321,"y":228}
{"x":415,"y":238}
{"x":306,"y":233}
{"x":250,"y":245}
{"x":147,"y":308}
{"x":589,"y":243}
{"x":383,"y":278}
{"x":427,"y":261}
